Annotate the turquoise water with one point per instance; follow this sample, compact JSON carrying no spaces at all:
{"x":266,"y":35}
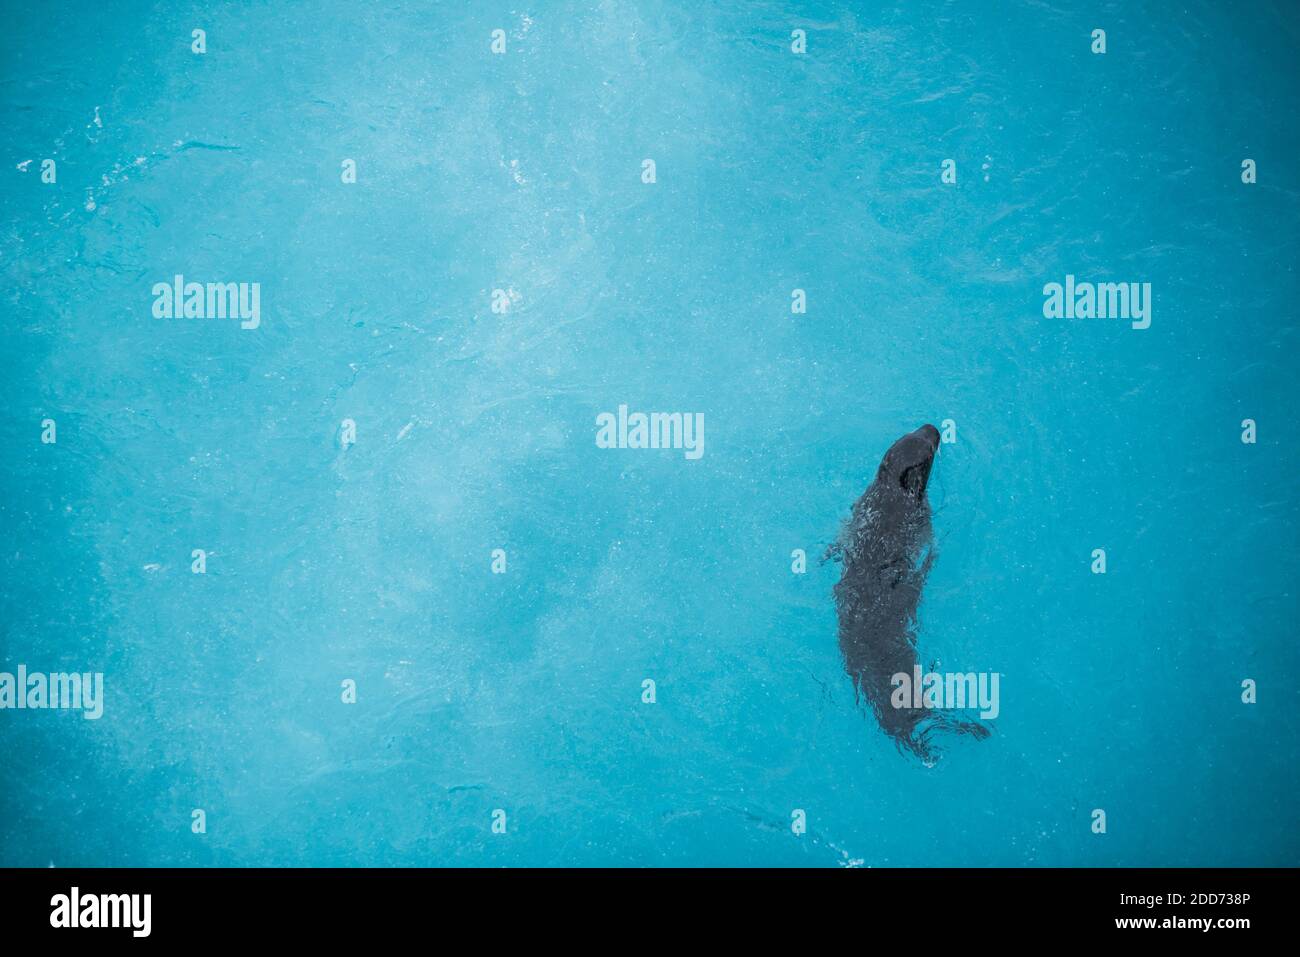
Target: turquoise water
{"x":371,"y":561}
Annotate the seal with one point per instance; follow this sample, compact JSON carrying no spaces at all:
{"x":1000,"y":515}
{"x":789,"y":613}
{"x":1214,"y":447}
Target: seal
{"x":885,"y":550}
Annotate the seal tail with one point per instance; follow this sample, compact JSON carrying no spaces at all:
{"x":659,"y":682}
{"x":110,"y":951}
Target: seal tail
{"x":923,"y":739}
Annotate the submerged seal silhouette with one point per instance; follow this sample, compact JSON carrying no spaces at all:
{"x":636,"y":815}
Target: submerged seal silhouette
{"x":886,"y":549}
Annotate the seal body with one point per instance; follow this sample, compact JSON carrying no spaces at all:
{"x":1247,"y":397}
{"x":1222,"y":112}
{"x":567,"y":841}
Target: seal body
{"x":886,"y":549}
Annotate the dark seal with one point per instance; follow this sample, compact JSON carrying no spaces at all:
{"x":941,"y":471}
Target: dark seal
{"x":886,"y":549}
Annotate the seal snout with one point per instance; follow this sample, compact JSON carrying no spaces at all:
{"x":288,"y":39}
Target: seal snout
{"x":910,"y":460}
